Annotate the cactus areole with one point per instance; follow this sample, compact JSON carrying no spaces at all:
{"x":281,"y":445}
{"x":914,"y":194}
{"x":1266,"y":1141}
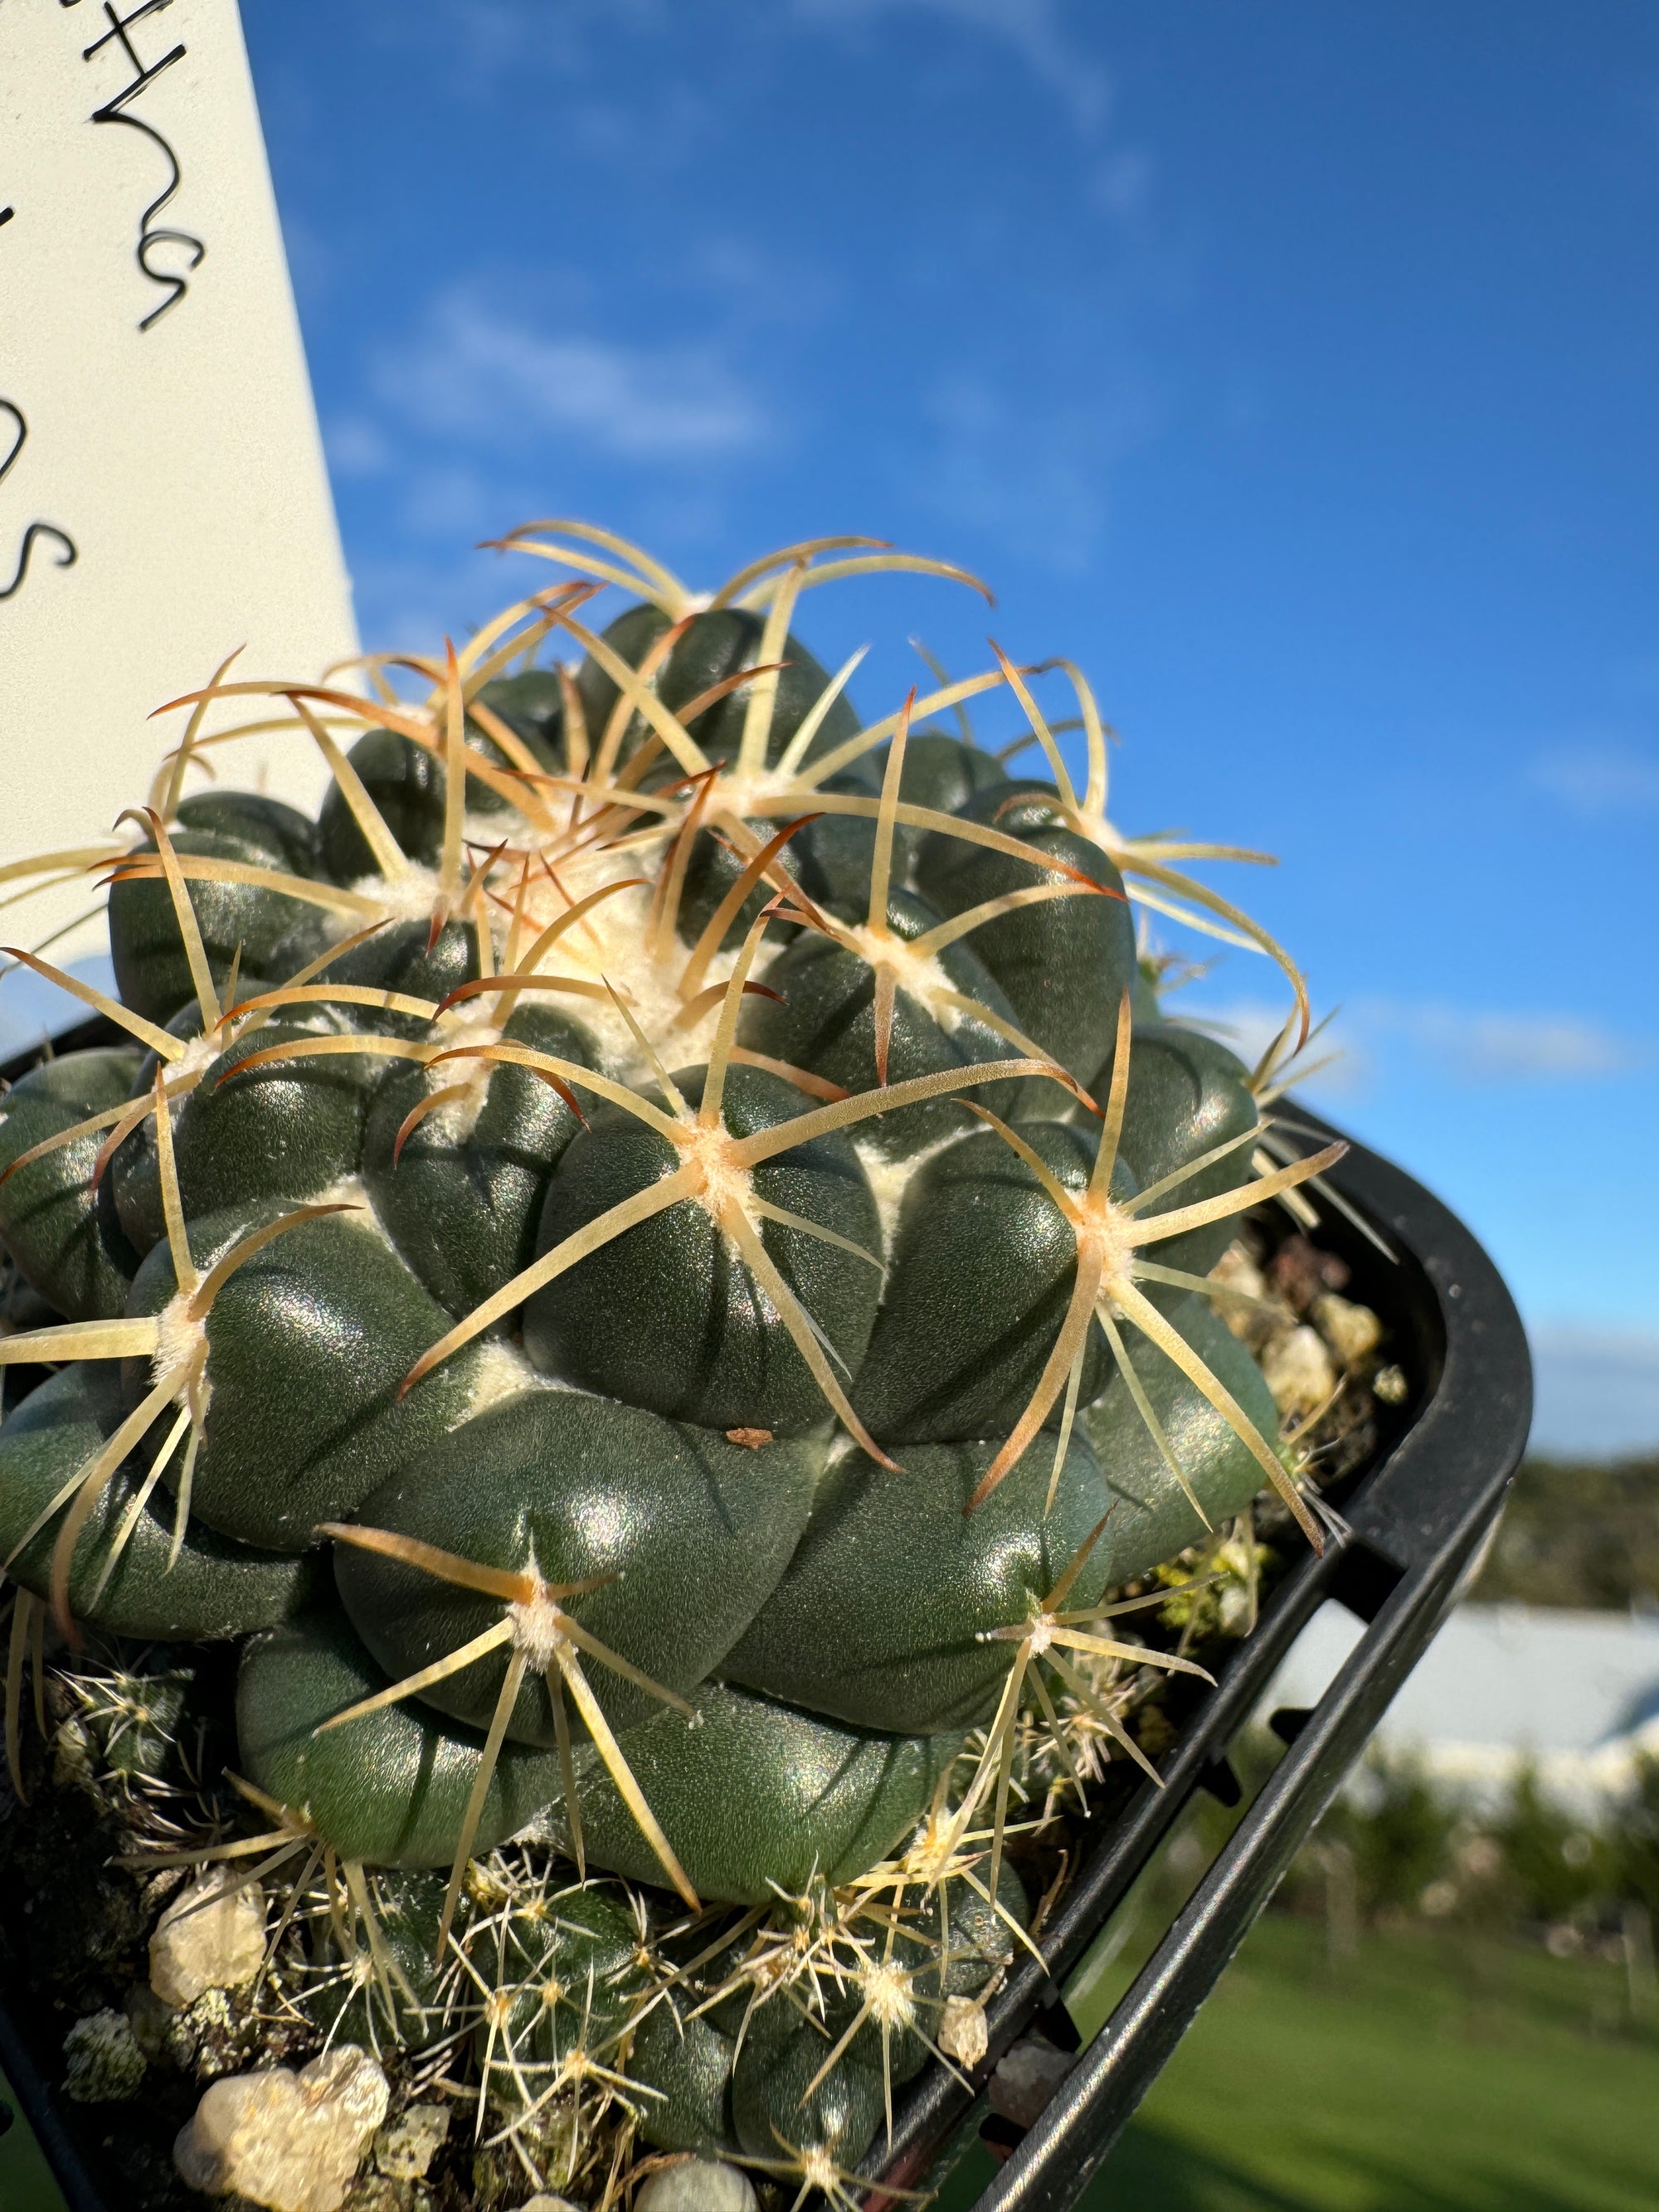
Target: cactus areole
{"x":652,"y":1268}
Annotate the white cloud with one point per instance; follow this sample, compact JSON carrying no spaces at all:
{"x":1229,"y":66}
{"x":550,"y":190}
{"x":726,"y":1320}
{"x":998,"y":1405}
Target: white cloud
{"x":1034,"y":31}
{"x":1599,"y":777}
{"x":1466,"y":1044}
{"x":1503,"y":1047}
{"x":356,"y":447}
{"x":1597,"y":1389}
{"x":476,"y":372}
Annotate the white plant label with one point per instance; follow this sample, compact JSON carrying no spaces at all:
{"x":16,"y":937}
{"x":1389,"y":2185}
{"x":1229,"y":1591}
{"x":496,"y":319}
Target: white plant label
{"x":163,"y":498}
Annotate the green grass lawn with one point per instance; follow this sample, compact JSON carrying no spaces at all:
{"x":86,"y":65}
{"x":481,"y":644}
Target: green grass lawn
{"x":1435,"y":2072}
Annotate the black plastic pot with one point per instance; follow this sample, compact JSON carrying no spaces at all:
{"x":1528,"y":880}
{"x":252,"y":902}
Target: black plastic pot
{"x":1410,"y":1523}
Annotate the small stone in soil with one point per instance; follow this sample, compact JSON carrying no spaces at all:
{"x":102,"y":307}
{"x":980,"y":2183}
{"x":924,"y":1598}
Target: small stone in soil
{"x":1352,"y":1332}
{"x":699,"y":2184}
{"x":104,"y":2064}
{"x":212,"y":1936}
{"x":962,"y":2033}
{"x":1300,"y":1272}
{"x":1298,"y":1371}
{"x":1026,"y":2079}
{"x":289,"y":2141}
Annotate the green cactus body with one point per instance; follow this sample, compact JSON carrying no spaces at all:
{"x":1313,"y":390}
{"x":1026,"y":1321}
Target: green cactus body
{"x":391,"y":1789}
{"x":824,"y":1018}
{"x":1152,"y":1519}
{"x":683,"y":2057}
{"x":66,"y":1243}
{"x":945,"y":1364}
{"x":690,"y":1533}
{"x":674,"y":1319}
{"x":880,"y":1620}
{"x":215,"y":1588}
{"x":248,"y":927}
{"x":247,"y":1138}
{"x":758,"y":1793}
{"x":396,"y":2000}
{"x":462,"y":1196}
{"x":1064,"y":965}
{"x":406,"y":785}
{"x":407,"y":958}
{"x":1187,"y":1096}
{"x":660,"y":1303}
{"x":306,"y":1347}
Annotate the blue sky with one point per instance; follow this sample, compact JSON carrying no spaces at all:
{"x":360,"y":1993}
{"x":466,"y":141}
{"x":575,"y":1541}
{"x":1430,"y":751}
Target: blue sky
{"x":1293,"y":367}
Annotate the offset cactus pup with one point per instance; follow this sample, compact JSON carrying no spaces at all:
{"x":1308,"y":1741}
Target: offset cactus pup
{"x":650,"y":1311}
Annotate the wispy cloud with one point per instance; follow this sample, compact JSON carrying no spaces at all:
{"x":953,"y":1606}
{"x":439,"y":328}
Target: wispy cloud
{"x":357,"y":447}
{"x":476,"y":372}
{"x":1465,"y":1044}
{"x":1485,"y":1047}
{"x":1034,"y":31}
{"x":1599,"y":777}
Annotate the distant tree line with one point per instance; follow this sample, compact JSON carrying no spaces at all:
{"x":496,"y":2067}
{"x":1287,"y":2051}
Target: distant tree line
{"x":1579,"y":1533}
{"x":1396,"y":1849}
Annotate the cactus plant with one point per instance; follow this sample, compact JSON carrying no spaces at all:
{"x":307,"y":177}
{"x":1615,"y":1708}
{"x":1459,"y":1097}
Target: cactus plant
{"x":652,"y":1267}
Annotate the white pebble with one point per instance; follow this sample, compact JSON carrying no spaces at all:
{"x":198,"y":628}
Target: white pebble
{"x":1026,"y":2079}
{"x":289,"y":2141}
{"x":212,"y":1936}
{"x":1298,"y":1370}
{"x":699,"y":2185}
{"x":1352,"y":1332}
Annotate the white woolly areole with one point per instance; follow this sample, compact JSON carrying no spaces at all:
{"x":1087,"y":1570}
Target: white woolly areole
{"x":920,"y":976}
{"x":890,"y":1179}
{"x":538,"y":1630}
{"x":200,"y":1053}
{"x":1107,"y":1229}
{"x":181,"y":1350}
{"x":889,"y":1993}
{"x":725,"y":1181}
{"x":409,"y":896}
{"x":613,"y":944}
{"x":500,"y":1373}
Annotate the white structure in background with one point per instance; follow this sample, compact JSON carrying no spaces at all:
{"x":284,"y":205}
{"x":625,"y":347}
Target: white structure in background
{"x":1574,"y":1694}
{"x":163,"y":498}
